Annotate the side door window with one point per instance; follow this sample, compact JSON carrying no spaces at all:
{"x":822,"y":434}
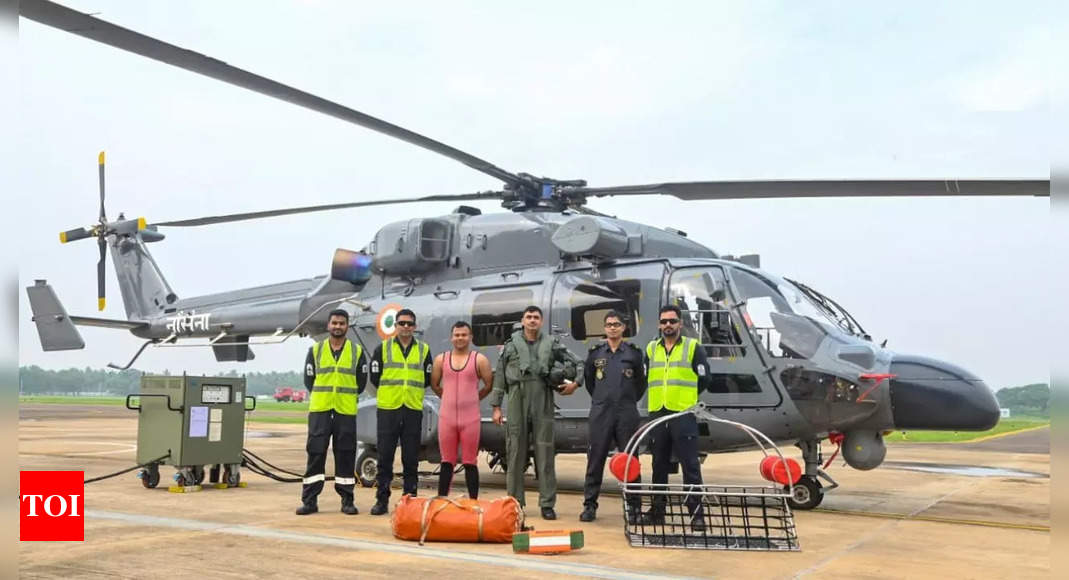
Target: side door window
{"x":581,"y":298}
{"x":710,"y":315}
{"x":494,"y":313}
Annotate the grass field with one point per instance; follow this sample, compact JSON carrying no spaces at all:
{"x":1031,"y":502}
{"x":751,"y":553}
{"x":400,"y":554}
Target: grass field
{"x":50,"y":400}
{"x":301,"y":408}
{"x":296,"y":413}
{"x":1004,"y":426}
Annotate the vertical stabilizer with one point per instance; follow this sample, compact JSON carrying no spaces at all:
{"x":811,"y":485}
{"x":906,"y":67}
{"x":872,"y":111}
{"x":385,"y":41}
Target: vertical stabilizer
{"x":145,"y":292}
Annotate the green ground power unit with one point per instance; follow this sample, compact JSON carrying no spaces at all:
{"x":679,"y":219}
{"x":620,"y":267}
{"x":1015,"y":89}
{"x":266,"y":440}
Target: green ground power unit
{"x":191,"y":422}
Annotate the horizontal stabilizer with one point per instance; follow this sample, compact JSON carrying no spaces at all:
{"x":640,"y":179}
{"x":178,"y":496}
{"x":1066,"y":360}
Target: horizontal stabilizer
{"x":107,"y":322}
{"x":54,"y":328}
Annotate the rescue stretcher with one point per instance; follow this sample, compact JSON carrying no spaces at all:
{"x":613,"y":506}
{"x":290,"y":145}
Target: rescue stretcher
{"x":731,"y":517}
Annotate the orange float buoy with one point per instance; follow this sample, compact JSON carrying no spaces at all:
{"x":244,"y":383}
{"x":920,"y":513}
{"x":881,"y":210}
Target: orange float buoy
{"x":621,"y":463}
{"x":782,"y":472}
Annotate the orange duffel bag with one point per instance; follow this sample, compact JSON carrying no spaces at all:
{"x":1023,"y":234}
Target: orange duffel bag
{"x":441,"y":519}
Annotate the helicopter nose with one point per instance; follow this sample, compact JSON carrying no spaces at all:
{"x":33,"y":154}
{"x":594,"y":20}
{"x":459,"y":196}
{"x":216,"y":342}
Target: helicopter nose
{"x":932,"y":394}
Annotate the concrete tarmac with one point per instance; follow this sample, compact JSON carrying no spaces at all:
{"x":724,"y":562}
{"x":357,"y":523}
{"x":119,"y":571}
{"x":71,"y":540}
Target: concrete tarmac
{"x":899,"y":520}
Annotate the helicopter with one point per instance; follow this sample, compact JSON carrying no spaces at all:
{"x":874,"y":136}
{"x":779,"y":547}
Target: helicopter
{"x":784,"y":358}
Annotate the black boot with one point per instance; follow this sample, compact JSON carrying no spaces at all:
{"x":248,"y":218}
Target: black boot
{"x":471,"y":476}
{"x":380,"y":508}
{"x":307,"y":508}
{"x":445,"y":478}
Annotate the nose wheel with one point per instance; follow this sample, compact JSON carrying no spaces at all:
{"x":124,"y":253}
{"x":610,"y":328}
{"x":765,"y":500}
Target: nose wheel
{"x":806,"y":494}
{"x":367,"y":467}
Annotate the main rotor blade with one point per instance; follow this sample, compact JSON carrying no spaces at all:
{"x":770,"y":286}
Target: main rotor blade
{"x":100,"y":164}
{"x":754,"y":189}
{"x":237,"y":217}
{"x":63,"y":18}
{"x":102,"y":243}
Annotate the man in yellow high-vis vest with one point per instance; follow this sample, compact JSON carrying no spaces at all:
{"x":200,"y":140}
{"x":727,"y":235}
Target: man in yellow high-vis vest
{"x":677,"y":370}
{"x":335,"y":373}
{"x":401,"y":371}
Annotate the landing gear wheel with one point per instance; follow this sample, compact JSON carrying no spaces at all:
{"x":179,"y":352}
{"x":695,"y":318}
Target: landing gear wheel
{"x":367,"y":467}
{"x":198,"y":474}
{"x":150,"y":476}
{"x":808,"y":493}
{"x":232,"y":477}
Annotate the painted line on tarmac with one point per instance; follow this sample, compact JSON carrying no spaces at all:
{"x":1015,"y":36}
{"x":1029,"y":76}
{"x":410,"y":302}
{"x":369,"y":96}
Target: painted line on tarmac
{"x":978,"y":439}
{"x":510,"y":561}
{"x":1006,"y":434}
{"x":936,"y":519}
{"x":128,"y":448}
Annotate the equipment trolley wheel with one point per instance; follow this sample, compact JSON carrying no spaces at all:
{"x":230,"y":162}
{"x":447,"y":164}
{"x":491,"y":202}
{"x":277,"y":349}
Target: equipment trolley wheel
{"x":198,"y":474}
{"x":150,"y":476}
{"x":807,"y":493}
{"x":232,"y":477}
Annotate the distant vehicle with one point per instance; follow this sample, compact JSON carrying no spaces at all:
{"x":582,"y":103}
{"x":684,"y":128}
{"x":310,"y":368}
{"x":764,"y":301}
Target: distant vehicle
{"x":289,"y":394}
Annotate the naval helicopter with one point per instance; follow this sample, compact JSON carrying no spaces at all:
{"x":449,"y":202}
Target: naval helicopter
{"x":784,"y":358}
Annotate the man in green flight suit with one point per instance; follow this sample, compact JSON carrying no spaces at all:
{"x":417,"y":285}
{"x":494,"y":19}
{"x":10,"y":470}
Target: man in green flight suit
{"x":523,"y":373}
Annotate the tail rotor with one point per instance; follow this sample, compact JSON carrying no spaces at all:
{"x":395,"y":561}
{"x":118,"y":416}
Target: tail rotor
{"x":101,"y":232}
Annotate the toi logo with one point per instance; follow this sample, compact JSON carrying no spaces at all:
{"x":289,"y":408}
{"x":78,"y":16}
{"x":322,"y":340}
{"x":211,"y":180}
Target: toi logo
{"x":51,"y":506}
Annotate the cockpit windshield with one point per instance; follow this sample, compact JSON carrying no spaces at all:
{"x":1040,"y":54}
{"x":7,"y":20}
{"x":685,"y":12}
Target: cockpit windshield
{"x":786,"y":318}
{"x":831,"y":308}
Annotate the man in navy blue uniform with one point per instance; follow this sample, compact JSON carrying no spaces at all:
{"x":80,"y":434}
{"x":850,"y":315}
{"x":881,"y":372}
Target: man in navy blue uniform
{"x":616,"y":379}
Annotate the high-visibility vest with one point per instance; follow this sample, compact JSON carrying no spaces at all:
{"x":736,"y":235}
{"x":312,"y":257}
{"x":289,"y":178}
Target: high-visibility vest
{"x":673,"y":384}
{"x":403,"y":379}
{"x":335,"y":387}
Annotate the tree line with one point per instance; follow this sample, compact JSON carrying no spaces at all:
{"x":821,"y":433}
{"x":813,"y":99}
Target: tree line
{"x":34,"y":380}
{"x":1031,"y":399}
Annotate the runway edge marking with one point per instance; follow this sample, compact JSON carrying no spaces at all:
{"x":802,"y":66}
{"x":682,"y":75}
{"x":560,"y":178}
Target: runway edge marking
{"x":574,"y":569}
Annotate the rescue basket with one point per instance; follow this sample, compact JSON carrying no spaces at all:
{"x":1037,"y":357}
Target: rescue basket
{"x":708,"y":516}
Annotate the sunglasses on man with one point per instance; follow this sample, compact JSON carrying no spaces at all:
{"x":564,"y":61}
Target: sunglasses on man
{"x":405,"y":323}
{"x":669,"y":321}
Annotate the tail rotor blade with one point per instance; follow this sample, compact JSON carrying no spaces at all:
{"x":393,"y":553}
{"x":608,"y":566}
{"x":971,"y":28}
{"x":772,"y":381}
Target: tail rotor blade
{"x":74,"y":235}
{"x":102,"y":243}
{"x":100,"y":164}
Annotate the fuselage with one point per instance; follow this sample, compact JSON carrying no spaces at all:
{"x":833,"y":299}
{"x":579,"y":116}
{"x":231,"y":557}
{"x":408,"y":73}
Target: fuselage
{"x":779,"y":362}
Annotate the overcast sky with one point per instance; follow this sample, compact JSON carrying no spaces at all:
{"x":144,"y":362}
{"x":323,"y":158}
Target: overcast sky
{"x":611,"y":92}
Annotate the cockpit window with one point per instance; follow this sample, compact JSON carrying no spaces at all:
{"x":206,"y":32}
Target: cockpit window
{"x":701,"y":293}
{"x":783,"y":320}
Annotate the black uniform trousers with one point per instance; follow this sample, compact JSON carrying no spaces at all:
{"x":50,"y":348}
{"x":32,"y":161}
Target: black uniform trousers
{"x":678,"y":436}
{"x":322,"y":427}
{"x":404,"y":425}
{"x":611,"y":424}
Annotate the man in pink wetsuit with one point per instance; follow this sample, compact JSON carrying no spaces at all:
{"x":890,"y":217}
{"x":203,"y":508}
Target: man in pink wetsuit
{"x":455,"y":378}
